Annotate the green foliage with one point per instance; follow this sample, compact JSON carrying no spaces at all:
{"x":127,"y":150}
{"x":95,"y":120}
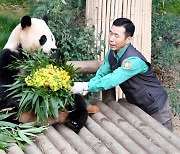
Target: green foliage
{"x":19,"y":134}
{"x":15,"y":2}
{"x":7,"y":24}
{"x":40,"y":97}
{"x":68,"y":25}
{"x":165,"y":46}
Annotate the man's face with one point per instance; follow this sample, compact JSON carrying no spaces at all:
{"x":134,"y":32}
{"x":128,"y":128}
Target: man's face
{"x":117,"y":38}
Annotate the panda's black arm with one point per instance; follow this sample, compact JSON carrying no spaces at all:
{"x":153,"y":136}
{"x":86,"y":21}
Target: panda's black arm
{"x":8,"y":57}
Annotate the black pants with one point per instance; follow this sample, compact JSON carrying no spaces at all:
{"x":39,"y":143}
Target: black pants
{"x":164,"y":116}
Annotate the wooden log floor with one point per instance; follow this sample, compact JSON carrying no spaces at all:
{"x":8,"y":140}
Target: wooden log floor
{"x":119,"y":128}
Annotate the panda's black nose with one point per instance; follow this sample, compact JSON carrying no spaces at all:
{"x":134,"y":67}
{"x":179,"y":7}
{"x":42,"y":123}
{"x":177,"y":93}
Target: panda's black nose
{"x":57,"y":54}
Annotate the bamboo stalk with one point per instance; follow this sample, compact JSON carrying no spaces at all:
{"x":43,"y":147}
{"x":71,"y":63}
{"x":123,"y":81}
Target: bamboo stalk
{"x":125,"y":8}
{"x":143,"y":28}
{"x":108,"y":11}
{"x":132,"y":15}
{"x":120,"y":7}
{"x":149,"y":29}
{"x":128,"y":9}
{"x":103,"y":24}
{"x":137,"y":21}
{"x":116,"y":9}
{"x":112,"y":16}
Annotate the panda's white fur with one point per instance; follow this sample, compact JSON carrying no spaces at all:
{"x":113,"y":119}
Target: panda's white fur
{"x":29,"y":36}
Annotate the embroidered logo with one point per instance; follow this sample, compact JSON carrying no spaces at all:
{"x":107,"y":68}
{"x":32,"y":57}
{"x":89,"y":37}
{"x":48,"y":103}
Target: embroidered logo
{"x":127,"y":65}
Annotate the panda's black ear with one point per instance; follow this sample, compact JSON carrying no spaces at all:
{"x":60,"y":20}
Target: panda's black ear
{"x":45,"y":18}
{"x":25,"y":21}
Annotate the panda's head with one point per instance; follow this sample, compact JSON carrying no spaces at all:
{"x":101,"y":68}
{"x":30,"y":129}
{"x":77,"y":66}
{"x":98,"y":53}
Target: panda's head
{"x":31,"y":34}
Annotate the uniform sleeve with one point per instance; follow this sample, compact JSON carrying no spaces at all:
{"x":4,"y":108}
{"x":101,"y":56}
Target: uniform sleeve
{"x":130,"y":67}
{"x":104,"y":69}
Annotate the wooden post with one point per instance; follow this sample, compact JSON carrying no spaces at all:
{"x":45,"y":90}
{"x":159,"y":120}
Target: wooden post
{"x":108,"y":95}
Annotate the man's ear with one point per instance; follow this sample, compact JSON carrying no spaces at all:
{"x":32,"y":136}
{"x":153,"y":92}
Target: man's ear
{"x":129,"y":39}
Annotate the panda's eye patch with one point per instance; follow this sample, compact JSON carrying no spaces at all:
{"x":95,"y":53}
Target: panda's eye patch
{"x":43,"y":40}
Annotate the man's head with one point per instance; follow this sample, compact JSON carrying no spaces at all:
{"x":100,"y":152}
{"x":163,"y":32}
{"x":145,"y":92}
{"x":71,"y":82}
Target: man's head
{"x":121,"y":33}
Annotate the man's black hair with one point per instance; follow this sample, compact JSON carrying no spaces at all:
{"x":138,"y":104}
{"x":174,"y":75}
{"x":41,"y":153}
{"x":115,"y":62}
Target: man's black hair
{"x":127,"y":24}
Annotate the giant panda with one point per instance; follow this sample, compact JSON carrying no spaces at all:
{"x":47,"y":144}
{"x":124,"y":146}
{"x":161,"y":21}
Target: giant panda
{"x":30,"y":35}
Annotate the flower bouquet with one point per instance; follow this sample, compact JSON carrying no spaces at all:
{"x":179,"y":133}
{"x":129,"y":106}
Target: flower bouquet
{"x":44,"y":88}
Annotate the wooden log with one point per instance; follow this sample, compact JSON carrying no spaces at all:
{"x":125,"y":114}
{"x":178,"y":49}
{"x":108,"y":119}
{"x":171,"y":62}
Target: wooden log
{"x":71,"y":137}
{"x":151,"y":122}
{"x":45,"y":145}
{"x":89,"y":66}
{"x":143,"y":128}
{"x":15,"y":149}
{"x":32,"y":149}
{"x":117,"y":134}
{"x":108,"y":140}
{"x":59,"y":142}
{"x":95,"y":144}
{"x":133,"y":133}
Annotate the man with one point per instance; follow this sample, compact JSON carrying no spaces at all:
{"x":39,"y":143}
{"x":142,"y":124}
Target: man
{"x":128,"y":68}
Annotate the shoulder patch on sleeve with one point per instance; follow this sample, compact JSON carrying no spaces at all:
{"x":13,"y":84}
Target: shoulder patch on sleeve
{"x":127,"y":65}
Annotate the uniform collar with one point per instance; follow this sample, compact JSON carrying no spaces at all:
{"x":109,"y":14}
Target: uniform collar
{"x":121,"y":52}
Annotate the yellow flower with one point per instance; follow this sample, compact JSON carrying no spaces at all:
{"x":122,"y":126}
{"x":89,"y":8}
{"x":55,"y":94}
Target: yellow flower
{"x":49,"y":77}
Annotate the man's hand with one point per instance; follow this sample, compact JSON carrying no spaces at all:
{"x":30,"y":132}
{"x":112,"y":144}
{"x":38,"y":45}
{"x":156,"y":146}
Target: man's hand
{"x":80,"y":88}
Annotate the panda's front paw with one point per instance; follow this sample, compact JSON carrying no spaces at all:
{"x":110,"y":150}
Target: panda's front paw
{"x":73,"y":125}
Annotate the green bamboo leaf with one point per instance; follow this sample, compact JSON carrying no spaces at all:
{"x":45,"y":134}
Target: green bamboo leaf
{"x":38,"y":112}
{"x":7,"y":124}
{"x":6,"y":138}
{"x":63,"y":1}
{"x":34,"y":99}
{"x":34,"y":130}
{"x":4,"y":116}
{"x":15,"y":86}
{"x":24,"y":137}
{"x":28,"y":97}
{"x":51,"y":106}
{"x":56,"y":110}
{"x":46,"y":107}
{"x":24,"y":94}
{"x":4,"y":146}
{"x":13,"y":92}
{"x":30,"y":134}
{"x":28,"y":125}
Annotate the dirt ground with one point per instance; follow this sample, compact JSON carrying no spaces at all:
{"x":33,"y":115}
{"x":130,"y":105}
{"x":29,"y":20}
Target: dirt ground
{"x":176,"y":125}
